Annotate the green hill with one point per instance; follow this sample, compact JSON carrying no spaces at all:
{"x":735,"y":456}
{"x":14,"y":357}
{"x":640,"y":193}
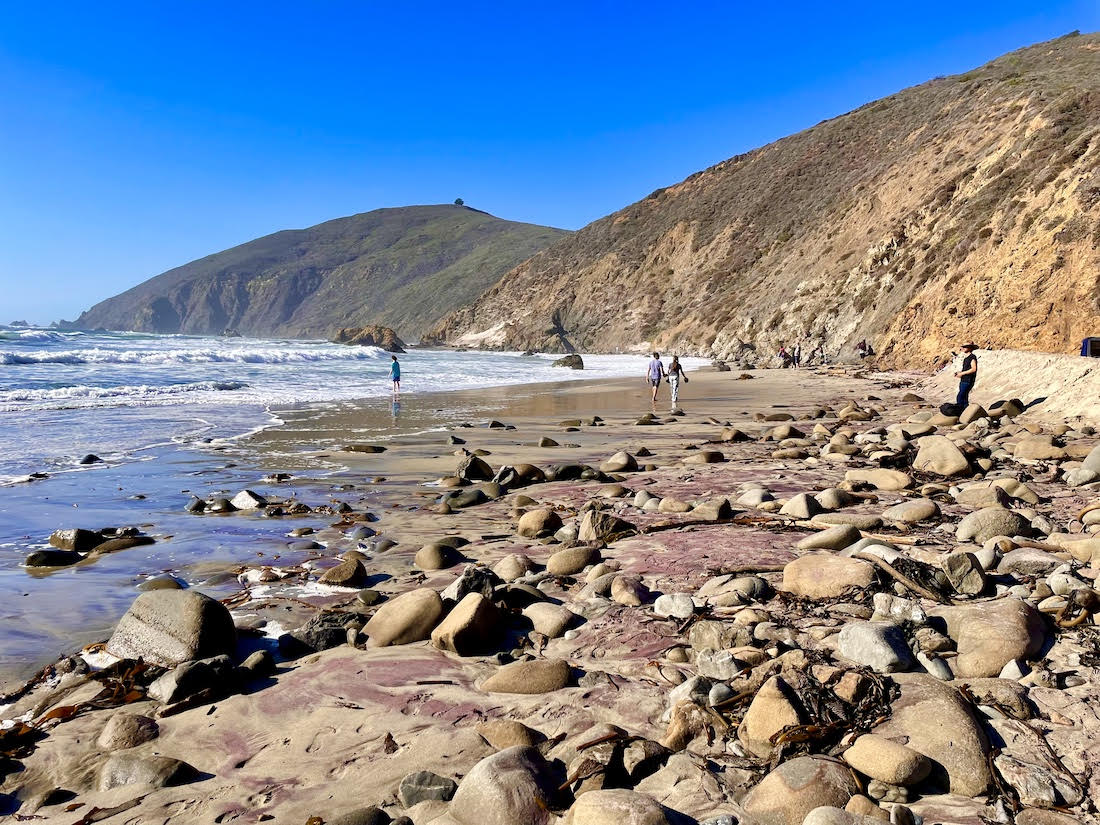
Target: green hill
{"x":404,"y":268}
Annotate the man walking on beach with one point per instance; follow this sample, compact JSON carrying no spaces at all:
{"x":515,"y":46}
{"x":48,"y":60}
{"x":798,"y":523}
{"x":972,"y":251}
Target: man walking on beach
{"x":395,"y":375}
{"x":654,"y":373}
{"x":967,"y":375}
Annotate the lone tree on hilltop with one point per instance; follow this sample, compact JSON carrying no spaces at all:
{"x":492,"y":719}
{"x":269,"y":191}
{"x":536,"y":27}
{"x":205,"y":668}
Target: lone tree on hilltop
{"x":459,"y":202}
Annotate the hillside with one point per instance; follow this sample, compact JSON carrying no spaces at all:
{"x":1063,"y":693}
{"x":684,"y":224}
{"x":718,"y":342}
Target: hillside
{"x":403,"y":268}
{"x":966,"y":207}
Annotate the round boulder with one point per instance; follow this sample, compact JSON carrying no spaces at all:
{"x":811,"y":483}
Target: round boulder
{"x":169,"y":627}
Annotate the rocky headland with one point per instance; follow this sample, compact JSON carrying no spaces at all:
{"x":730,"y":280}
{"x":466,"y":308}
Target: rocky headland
{"x":810,"y":599}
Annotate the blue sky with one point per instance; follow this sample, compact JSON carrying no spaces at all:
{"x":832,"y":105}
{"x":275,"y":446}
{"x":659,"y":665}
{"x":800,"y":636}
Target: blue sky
{"x":136,"y":137}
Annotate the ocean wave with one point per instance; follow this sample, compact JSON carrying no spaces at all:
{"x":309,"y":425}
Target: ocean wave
{"x":140,"y":391}
{"x":36,"y":336}
{"x":246,"y":355}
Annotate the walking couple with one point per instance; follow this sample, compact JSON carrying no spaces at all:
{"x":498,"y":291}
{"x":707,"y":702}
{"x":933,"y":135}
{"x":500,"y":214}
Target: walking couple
{"x":656,"y":371}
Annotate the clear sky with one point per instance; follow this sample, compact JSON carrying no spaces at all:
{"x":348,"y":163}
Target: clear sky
{"x":136,"y":137}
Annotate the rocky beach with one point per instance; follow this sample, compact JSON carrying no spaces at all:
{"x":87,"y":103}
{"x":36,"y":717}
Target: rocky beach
{"x":806,"y":597}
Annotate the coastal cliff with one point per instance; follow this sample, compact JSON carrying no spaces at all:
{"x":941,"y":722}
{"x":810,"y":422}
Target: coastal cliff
{"x":965,"y":207}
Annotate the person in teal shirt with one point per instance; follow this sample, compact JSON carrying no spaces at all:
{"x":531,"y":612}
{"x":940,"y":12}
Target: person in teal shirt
{"x":395,"y":375}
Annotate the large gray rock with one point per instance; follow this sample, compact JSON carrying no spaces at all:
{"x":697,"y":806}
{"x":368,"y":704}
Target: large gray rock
{"x":142,"y":769}
{"x":215,"y":673}
{"x":513,"y":786}
{"x":938,"y":454}
{"x":416,"y":787}
{"x":982,"y":525}
{"x":880,"y":646}
{"x":168,"y":627}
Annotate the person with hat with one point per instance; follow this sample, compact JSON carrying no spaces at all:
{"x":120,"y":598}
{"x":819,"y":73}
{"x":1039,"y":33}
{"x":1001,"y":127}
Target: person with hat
{"x":967,"y":375}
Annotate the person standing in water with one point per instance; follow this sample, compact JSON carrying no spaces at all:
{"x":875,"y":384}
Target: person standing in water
{"x":654,"y":373}
{"x":675,"y":373}
{"x":395,"y":375}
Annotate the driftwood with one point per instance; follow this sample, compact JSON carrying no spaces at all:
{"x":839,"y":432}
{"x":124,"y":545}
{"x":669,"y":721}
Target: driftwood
{"x":898,"y":576}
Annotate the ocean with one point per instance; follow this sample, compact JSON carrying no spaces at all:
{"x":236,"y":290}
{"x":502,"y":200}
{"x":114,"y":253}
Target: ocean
{"x":172,"y":416}
{"x":64,"y":395}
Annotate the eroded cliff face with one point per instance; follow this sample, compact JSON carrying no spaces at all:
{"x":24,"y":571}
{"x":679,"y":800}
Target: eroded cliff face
{"x":964,"y":208}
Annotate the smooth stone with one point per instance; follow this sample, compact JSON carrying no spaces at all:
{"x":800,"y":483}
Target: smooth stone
{"x":770,"y":711}
{"x":982,"y":525}
{"x":824,"y":576}
{"x":533,"y":676}
{"x":674,"y":605}
{"x":409,"y":617}
{"x":470,"y":628}
{"x":540,"y":522}
{"x":880,"y":646}
{"x":515,"y":785}
{"x":619,"y":806}
{"x":168,"y":627}
{"x":991,"y":634}
{"x":506,"y":733}
{"x":789,"y":793}
{"x":934,"y":719}
{"x":571,"y":561}
{"x":346,"y":574}
{"x":880,"y":479}
{"x":124,"y":768}
{"x":940,"y":455}
{"x":127,"y":730}
{"x":436,"y":556}
{"x":883,"y":759}
{"x":621,"y":462}
{"x":551,"y":620}
{"x":831,"y":538}
{"x":912,"y":512}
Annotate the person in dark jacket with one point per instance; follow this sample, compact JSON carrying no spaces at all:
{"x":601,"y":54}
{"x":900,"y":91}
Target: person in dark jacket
{"x":967,"y":375}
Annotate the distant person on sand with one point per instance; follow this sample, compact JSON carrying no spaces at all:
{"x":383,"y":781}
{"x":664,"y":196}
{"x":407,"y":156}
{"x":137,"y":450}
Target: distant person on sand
{"x":675,"y":373}
{"x":967,"y":375}
{"x":395,"y":375}
{"x":784,"y":356}
{"x":797,"y":355}
{"x":654,"y":373}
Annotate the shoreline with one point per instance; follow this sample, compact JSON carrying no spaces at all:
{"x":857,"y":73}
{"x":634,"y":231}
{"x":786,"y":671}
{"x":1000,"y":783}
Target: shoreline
{"x":370,"y":715}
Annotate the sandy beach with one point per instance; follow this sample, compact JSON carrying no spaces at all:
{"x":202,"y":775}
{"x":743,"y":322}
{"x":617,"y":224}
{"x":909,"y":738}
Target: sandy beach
{"x":762,"y":606}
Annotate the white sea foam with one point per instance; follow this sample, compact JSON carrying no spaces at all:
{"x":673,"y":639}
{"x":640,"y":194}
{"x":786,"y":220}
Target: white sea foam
{"x":243,"y":355}
{"x":123,"y":393}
